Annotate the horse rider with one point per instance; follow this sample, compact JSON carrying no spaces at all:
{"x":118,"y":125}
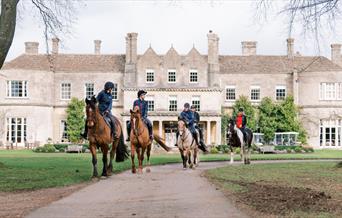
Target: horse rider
{"x":197,"y":118}
{"x":104,"y":99}
{"x":142,"y":104}
{"x":188,"y":117}
{"x":241,"y":121}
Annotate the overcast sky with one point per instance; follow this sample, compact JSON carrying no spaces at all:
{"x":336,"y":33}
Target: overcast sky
{"x":162,"y":23}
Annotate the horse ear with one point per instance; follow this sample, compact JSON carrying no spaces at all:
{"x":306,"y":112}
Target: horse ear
{"x":93,"y":99}
{"x":131,"y":111}
{"x":87,"y":101}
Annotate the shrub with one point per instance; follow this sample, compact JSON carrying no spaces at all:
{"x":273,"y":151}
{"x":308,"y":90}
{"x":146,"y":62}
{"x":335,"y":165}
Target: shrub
{"x":48,"y":148}
{"x":61,"y":147}
{"x":298,"y":149}
{"x":308,"y":149}
{"x":237,"y":150}
{"x":289,"y":150}
{"x":214,"y":150}
{"x":223,"y":148}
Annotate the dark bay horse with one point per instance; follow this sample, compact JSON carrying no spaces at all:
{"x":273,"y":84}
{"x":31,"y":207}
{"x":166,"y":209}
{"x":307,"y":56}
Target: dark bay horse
{"x":100,"y":136}
{"x":235,"y":139}
{"x":140,"y":140}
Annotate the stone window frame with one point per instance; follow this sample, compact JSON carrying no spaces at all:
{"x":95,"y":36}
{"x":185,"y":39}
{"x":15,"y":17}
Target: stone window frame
{"x":280,"y":92}
{"x":150,"y":78}
{"x":88,"y":93}
{"x":171,"y":76}
{"x":115,"y":94}
{"x":334,"y":133}
{"x":150,"y":103}
{"x":255,"y":93}
{"x":196,"y":100}
{"x":192,"y":76}
{"x":65,"y":91}
{"x":21,"y":88}
{"x":230,"y":87}
{"x":329,"y":91}
{"x":173,"y":104}
{"x":63,"y":131}
{"x":10,"y":137}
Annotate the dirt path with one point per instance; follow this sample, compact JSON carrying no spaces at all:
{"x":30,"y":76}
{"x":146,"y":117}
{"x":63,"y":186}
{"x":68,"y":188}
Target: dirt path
{"x":168,"y":191}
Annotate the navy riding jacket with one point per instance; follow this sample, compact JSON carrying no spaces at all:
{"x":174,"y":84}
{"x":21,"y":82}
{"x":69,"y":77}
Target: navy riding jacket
{"x":188,"y":117}
{"x":142,"y":104}
{"x":105,"y":101}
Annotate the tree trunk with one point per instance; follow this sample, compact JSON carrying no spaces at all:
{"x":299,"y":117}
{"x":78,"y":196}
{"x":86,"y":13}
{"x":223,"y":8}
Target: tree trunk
{"x":7,"y":27}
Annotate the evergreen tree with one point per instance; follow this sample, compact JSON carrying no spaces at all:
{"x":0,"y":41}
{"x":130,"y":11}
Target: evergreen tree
{"x":267,"y":118}
{"x":75,"y":119}
{"x":224,"y":125}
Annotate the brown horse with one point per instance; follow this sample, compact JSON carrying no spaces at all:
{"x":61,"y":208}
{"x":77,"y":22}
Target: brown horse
{"x":100,"y":136}
{"x":140,"y":140}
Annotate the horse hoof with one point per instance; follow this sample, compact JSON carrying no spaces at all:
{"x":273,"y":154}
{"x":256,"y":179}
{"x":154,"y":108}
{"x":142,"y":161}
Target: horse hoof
{"x":103,"y":177}
{"x":191,"y":166}
{"x":134,"y":171}
{"x":184,"y":168}
{"x":140,"y":171}
{"x":148,"y":170}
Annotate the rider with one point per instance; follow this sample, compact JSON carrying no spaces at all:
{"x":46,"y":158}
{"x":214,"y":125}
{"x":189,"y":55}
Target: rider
{"x":142,"y":104}
{"x":104,"y":99}
{"x":241,"y":122}
{"x":202,"y":145}
{"x":188,"y":117}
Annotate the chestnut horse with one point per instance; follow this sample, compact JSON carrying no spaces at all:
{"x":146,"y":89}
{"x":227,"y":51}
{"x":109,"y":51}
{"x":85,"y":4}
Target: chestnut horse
{"x":140,"y":140}
{"x":100,"y":136}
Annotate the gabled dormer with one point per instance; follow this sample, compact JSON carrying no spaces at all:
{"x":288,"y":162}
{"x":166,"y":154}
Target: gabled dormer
{"x":172,"y":59}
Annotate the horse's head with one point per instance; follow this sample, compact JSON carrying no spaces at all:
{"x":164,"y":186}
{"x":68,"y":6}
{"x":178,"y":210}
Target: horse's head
{"x":181,"y":127}
{"x":135,"y":117}
{"x":91,"y":111}
{"x":231,"y":126}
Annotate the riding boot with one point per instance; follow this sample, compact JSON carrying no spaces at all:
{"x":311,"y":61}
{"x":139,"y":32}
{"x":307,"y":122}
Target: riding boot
{"x":128,"y":131}
{"x":85,"y":133}
{"x":177,"y":134}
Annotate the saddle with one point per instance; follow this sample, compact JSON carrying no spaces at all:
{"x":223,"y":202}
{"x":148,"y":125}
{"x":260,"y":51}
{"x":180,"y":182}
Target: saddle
{"x":110,"y":122}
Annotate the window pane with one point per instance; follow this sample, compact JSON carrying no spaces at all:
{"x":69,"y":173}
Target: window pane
{"x":255,"y":93}
{"x":66,"y":91}
{"x":280,"y":92}
{"x":173,"y":103}
{"x":150,"y":76}
{"x":230,"y":93}
{"x":89,"y":90}
{"x":115,"y":92}
{"x":172,"y":76}
{"x":193,"y":77}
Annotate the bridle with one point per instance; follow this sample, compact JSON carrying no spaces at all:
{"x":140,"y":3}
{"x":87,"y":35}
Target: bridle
{"x":91,"y":118}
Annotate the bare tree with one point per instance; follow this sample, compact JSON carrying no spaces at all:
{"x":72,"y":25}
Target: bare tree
{"x":57,"y":17}
{"x":312,"y":15}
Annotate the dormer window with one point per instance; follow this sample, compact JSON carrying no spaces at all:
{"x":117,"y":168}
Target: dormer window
{"x":149,"y":76}
{"x":171,"y":76}
{"x":193,"y":76}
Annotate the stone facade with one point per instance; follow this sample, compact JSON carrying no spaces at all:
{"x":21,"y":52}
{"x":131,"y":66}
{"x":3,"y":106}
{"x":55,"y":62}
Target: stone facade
{"x":212,"y":81}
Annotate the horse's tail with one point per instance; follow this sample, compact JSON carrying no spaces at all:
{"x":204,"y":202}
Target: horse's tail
{"x":121,"y":150}
{"x":250,"y":139}
{"x":159,"y":140}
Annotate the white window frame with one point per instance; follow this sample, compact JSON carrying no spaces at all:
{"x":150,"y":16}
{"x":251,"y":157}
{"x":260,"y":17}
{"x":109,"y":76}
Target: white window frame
{"x":334,"y":93}
{"x":168,"y":75}
{"x":150,"y":99}
{"x":196,"y":98}
{"x":255,"y":87}
{"x":63,"y":129}
{"x":150,"y":71}
{"x":86,"y":91}
{"x":230,"y":87}
{"x":172,"y":98}
{"x":63,"y":91}
{"x":280,"y":87}
{"x":197,"y":79}
{"x":24,"y":91}
{"x":9,"y":130}
{"x":115,"y":95}
{"x":335,"y":139}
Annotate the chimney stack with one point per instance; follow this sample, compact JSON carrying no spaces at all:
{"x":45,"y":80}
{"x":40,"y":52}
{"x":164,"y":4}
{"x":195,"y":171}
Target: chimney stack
{"x":290,"y":47}
{"x":97,"y":46}
{"x":248,"y":48}
{"x":213,"y":48}
{"x":131,"y":48}
{"x":31,"y":47}
{"x":55,"y":46}
{"x":336,"y":53}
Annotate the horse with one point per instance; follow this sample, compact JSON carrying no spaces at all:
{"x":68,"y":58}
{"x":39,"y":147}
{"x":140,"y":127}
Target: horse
{"x":236,"y":139}
{"x":140,"y":140}
{"x":100,"y":136}
{"x":187,"y":146}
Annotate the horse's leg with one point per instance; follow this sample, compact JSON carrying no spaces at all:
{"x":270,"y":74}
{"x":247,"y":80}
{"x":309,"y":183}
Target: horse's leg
{"x":231,"y":154}
{"x":185,"y":160}
{"x":140,"y":153}
{"x":190,"y":159}
{"x":243,"y":148}
{"x":248,"y":154}
{"x":148,"y":170}
{"x":94,"y":159}
{"x":105,"y":161}
{"x":112,"y":154}
{"x":132,"y":157}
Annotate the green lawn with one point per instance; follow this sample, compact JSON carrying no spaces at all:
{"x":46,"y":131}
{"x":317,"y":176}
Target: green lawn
{"x":310,"y":189}
{"x":26,"y":170}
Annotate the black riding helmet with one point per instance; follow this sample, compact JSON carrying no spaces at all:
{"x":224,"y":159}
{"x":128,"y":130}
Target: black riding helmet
{"x":240,"y":109}
{"x":109,"y":85}
{"x":186,"y":105}
{"x":141,"y":92}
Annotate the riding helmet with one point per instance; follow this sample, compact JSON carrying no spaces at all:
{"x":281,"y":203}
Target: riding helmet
{"x":193,"y":107}
{"x":240,"y":109}
{"x":141,"y":92}
{"x":186,"y":105}
{"x":109,"y":85}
